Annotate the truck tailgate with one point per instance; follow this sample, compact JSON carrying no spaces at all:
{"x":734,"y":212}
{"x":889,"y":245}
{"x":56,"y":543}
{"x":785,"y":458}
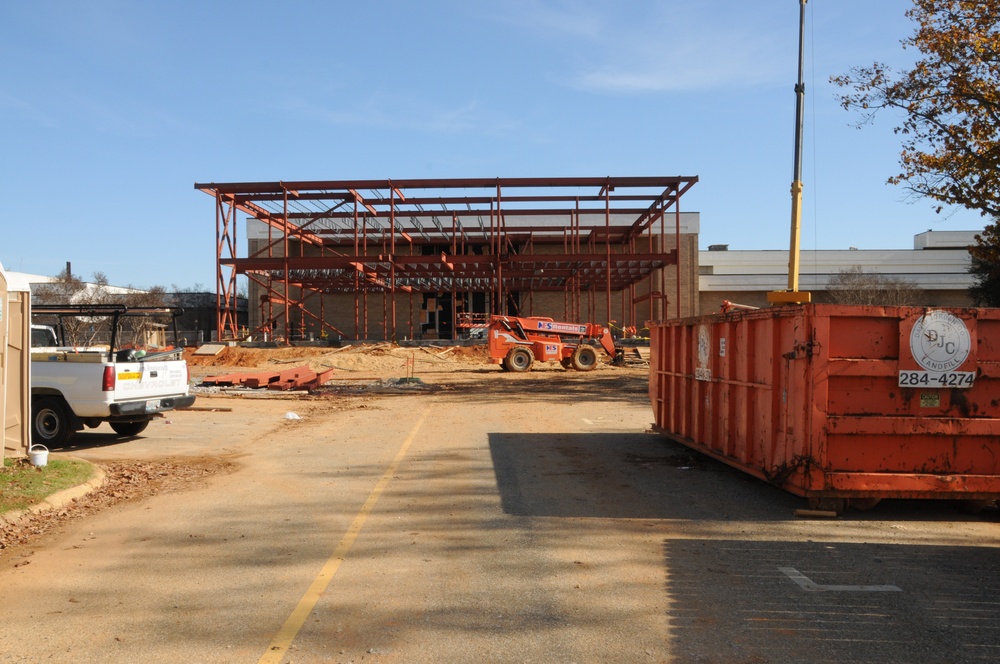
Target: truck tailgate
{"x":145,"y":380}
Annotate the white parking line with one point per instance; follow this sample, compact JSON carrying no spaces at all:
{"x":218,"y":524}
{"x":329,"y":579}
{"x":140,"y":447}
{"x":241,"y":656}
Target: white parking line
{"x":807,"y":584}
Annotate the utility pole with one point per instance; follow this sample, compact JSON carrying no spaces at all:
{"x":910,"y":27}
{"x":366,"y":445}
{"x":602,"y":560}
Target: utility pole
{"x":793,"y":295}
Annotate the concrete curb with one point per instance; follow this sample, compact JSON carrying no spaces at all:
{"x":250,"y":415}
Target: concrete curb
{"x":59,"y":498}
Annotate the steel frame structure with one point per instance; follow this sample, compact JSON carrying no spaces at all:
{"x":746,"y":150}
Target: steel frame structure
{"x":575,"y":235}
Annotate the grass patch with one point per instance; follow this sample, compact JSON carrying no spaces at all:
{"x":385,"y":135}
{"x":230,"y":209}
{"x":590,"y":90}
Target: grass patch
{"x":23,"y":485}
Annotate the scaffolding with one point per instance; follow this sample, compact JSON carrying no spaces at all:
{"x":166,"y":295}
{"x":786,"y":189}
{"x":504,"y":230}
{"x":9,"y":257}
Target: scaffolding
{"x":365,"y":242}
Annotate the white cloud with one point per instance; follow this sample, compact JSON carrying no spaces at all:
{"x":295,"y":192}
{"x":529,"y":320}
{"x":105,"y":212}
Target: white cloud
{"x":25,"y":109}
{"x":663,"y":46}
{"x":692,"y":62}
{"x":121,"y":115}
{"x":563,"y":18}
{"x":394,"y":113}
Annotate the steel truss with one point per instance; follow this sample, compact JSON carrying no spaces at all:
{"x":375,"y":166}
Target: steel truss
{"x":498,"y":236}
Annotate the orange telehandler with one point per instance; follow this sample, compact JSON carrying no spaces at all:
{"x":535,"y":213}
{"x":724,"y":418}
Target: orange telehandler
{"x":515,"y":343}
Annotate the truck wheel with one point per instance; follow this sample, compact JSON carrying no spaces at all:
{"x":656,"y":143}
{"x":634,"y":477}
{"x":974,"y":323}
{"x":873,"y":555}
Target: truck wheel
{"x":519,"y":359}
{"x":129,"y":428}
{"x":584,"y":358}
{"x":50,"y":421}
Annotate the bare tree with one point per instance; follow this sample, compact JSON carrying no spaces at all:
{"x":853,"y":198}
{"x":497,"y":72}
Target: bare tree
{"x":70,"y":289}
{"x":61,"y":291}
{"x":854,"y":285}
{"x":87,"y":330}
{"x":142,"y":327}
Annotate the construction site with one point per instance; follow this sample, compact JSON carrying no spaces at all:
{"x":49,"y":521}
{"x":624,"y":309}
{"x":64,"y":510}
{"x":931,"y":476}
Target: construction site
{"x":434,"y":258}
{"x":500,"y":419}
{"x":789,"y":483}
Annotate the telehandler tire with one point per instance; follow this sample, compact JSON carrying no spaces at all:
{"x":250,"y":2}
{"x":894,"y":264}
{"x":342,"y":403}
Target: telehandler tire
{"x":584,"y":358}
{"x":519,"y":359}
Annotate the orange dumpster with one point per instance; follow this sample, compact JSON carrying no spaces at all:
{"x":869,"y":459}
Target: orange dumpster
{"x":839,"y":404}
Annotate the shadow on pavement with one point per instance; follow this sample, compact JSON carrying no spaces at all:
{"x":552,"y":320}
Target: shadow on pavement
{"x":737,"y":601}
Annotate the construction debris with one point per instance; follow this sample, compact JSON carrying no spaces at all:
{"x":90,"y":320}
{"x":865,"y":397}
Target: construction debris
{"x":636,"y":356}
{"x":300,"y":378}
{"x":210,"y":349}
{"x":360,"y":369}
{"x":816,"y":514}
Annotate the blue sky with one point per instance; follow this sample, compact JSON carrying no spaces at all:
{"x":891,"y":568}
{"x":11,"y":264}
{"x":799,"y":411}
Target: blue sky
{"x":112,"y":110}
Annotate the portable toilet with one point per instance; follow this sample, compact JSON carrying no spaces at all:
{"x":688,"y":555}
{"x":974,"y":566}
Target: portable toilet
{"x":3,"y":359}
{"x":15,"y":363}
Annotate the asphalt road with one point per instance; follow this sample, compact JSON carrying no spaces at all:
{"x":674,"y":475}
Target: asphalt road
{"x":511,"y":519}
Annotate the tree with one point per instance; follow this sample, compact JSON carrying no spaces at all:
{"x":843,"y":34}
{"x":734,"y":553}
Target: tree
{"x":86,"y":331}
{"x":141,"y":327}
{"x":985,"y":267}
{"x":855,"y":286}
{"x":71,"y":289}
{"x":950,"y":101}
{"x":66,"y":287}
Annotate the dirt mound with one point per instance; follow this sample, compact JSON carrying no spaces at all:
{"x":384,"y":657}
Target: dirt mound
{"x":236,"y":356}
{"x":477,"y":353}
{"x":382,"y":359}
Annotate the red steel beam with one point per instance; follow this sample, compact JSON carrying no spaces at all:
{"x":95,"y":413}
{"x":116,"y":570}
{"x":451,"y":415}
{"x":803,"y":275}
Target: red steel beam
{"x":483,"y":210}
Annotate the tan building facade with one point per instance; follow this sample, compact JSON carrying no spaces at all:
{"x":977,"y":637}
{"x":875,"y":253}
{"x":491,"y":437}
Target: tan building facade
{"x":374,"y":314}
{"x":937,"y":266}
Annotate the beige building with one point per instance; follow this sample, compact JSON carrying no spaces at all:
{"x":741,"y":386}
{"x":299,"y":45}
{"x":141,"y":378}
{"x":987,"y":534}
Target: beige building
{"x":439,"y":314}
{"x":938,"y":265}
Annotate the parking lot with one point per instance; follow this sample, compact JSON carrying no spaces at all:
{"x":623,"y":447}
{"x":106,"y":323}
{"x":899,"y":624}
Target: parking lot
{"x":485,"y":517}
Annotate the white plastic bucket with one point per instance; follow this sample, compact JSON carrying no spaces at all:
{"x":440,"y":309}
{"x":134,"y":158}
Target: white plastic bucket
{"x":39,"y":455}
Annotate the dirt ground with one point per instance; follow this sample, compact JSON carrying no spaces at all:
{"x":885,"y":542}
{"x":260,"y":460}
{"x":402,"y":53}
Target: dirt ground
{"x":473,"y":515}
{"x":382,"y":359}
{"x":363,"y":374}
{"x":358,"y":364}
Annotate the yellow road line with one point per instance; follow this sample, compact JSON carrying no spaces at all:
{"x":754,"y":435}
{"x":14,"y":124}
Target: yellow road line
{"x":283,"y":639}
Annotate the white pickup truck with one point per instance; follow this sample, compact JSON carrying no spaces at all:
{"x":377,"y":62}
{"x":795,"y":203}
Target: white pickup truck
{"x":76,"y":387}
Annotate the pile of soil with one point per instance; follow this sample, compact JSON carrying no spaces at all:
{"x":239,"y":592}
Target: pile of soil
{"x":380,"y":360}
{"x":237,"y":356}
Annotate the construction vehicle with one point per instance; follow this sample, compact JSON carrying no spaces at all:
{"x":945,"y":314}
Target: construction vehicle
{"x":515,"y":343}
